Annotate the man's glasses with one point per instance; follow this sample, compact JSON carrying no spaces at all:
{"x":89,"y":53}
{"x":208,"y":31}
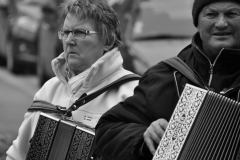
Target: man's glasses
{"x":77,"y":34}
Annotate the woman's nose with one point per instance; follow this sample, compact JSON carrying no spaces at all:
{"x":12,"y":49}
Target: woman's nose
{"x":70,"y":39}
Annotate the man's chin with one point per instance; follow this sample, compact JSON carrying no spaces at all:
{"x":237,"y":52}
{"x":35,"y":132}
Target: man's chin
{"x":220,"y":45}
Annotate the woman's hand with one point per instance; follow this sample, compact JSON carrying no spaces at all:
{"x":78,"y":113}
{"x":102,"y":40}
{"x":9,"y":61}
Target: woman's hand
{"x":154,"y":133}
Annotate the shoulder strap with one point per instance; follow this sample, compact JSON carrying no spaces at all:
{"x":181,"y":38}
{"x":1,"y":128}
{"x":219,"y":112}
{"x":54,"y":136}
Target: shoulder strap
{"x":48,"y":107}
{"x":87,"y":98}
{"x":182,"y":67}
{"x":45,"y":106}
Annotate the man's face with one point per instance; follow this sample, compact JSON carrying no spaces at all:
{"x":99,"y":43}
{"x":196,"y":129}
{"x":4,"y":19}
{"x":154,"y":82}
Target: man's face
{"x":219,"y":26}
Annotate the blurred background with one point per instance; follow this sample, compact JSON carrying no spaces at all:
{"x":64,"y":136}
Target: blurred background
{"x":153,"y":30}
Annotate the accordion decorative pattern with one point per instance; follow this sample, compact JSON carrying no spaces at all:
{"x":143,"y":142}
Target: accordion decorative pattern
{"x":180,"y":123}
{"x":81,"y":145}
{"x":58,"y":139}
{"x":43,"y":137}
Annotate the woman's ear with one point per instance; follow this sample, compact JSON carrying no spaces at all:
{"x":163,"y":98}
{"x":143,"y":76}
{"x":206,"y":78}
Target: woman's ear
{"x":109,"y":44}
{"x":107,"y":47}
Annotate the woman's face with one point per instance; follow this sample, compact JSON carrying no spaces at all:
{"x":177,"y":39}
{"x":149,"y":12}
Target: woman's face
{"x":81,"y":53}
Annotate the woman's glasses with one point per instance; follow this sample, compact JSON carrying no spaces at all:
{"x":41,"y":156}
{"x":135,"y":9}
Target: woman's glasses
{"x":77,"y":34}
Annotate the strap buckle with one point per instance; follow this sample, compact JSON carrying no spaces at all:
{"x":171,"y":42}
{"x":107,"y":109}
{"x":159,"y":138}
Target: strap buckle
{"x":66,"y":112}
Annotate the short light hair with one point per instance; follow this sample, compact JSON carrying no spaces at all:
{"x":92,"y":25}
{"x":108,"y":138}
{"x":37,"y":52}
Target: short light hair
{"x":101,"y":13}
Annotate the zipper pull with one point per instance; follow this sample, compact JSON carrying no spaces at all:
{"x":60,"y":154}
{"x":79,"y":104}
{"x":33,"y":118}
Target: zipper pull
{"x":211,"y":75}
{"x":211,"y":69}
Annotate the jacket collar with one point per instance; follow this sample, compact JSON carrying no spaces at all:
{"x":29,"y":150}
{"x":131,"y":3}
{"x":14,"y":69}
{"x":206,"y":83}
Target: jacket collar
{"x":226,"y":59}
{"x":226,"y":63}
{"x":93,"y":75}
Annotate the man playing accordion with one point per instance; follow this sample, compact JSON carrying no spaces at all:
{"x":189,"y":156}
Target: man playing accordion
{"x":132,"y":129}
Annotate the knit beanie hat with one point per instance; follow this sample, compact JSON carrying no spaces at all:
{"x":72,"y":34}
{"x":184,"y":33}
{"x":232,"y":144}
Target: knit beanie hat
{"x":198,"y":5}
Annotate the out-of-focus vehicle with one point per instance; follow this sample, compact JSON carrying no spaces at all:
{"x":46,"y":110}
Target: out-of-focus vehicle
{"x":29,"y":38}
{"x":4,"y":27}
{"x":20,"y":26}
{"x":22,"y":46}
{"x":163,"y":30}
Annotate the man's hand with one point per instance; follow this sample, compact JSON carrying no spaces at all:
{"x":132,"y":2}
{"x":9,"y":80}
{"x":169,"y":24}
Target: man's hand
{"x":154,"y":133}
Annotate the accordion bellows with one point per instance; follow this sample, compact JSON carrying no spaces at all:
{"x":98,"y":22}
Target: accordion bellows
{"x":56,"y":139}
{"x":204,"y":126}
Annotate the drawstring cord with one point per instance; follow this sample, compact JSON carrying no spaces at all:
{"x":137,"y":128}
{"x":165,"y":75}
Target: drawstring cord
{"x":176,"y":84}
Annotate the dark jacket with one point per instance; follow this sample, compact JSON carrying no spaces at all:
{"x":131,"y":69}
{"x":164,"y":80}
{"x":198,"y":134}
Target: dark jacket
{"x":119,"y":134}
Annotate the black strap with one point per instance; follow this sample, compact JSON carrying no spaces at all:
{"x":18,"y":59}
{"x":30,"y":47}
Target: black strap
{"x":182,"y":67}
{"x":87,"y":98}
{"x":48,"y":107}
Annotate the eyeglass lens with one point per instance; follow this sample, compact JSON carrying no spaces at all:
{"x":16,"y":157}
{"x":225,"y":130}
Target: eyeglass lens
{"x":78,"y":34}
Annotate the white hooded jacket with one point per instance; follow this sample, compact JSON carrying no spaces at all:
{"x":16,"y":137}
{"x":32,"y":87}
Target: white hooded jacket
{"x":60,"y":91}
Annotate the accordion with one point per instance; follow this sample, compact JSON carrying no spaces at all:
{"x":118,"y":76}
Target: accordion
{"x":204,"y":125}
{"x":57,"y":139}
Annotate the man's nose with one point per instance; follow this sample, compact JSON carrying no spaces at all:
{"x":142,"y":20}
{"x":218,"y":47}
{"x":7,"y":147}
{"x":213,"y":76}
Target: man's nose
{"x":221,"y":22}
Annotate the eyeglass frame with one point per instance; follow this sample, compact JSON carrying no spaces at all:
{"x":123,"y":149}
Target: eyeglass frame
{"x":86,"y":32}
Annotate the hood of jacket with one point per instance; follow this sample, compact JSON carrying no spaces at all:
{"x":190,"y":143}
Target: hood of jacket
{"x":225,"y":69}
{"x":110,"y":62}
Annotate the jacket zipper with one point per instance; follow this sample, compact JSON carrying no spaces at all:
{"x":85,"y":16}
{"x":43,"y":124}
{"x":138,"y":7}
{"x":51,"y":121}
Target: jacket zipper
{"x":211,"y":65}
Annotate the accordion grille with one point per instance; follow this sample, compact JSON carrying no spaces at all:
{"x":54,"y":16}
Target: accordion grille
{"x":204,"y":126}
{"x":216,"y":131}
